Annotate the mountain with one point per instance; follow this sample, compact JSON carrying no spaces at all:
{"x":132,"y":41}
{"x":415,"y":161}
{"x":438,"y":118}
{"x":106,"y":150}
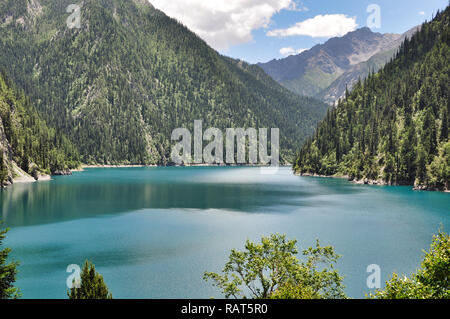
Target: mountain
{"x":119,"y":85}
{"x":324,"y":70}
{"x":28,"y":147}
{"x":393,"y":128}
{"x":349,"y":78}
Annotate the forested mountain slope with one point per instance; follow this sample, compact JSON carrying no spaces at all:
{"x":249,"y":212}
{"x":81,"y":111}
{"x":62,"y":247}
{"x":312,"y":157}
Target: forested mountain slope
{"x":393,"y":127}
{"x":120,"y":84}
{"x":27,"y":144}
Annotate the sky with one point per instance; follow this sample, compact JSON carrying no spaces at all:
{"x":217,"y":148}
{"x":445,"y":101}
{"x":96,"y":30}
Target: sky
{"x":262,"y":30}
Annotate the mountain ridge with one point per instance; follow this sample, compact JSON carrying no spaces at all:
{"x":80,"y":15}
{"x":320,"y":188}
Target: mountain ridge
{"x":326,"y":69}
{"x":349,"y":78}
{"x":121,"y":83}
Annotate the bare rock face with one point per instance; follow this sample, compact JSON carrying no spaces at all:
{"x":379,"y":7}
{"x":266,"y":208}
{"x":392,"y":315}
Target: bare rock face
{"x":34,"y":8}
{"x":324,"y":63}
{"x":327,"y":70}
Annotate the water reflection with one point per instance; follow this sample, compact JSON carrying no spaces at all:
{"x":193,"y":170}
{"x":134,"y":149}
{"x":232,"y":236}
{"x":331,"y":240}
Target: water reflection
{"x":110,"y":191}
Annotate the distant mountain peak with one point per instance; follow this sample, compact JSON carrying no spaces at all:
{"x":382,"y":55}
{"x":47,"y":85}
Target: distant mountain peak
{"x":381,"y":133}
{"x":314,"y":70}
{"x":363,"y":30}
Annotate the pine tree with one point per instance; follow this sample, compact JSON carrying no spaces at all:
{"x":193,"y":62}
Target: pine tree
{"x":3,"y":169}
{"x":25,"y":163}
{"x":92,"y":285}
{"x":8,"y":272}
{"x":444,"y":126}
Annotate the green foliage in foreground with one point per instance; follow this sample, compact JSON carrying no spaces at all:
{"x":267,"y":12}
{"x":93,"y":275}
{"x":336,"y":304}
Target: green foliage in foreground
{"x":271,"y":270}
{"x":432,"y":280}
{"x":8,"y":272}
{"x":92,"y":285}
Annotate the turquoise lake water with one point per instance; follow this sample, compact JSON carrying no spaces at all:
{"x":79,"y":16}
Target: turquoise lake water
{"x":152,"y":232}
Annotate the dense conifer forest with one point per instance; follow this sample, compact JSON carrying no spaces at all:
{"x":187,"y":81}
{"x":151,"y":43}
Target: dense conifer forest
{"x":25,"y":139}
{"x":393,"y":127}
{"x":119,"y":85}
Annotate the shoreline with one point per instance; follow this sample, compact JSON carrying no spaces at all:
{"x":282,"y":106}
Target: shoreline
{"x":24,"y":178}
{"x":155,"y":165}
{"x":83,"y":166}
{"x":18,"y":176}
{"x":366,"y":181}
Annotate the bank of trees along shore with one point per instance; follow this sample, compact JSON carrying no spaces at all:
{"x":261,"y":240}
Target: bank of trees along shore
{"x":27,"y":140}
{"x":394,"y":126}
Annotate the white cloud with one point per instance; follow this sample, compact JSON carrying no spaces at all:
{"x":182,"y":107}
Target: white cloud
{"x":422,"y":13}
{"x":321,"y":26}
{"x":224,"y":23}
{"x":291,"y":51}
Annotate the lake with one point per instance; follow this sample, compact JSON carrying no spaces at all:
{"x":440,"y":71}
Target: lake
{"x":152,"y":232}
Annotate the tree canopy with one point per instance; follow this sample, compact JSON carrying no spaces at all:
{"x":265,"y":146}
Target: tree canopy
{"x":28,"y":140}
{"x":271,"y":269}
{"x":92,"y":285}
{"x":432,"y":279}
{"x":8,"y":271}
